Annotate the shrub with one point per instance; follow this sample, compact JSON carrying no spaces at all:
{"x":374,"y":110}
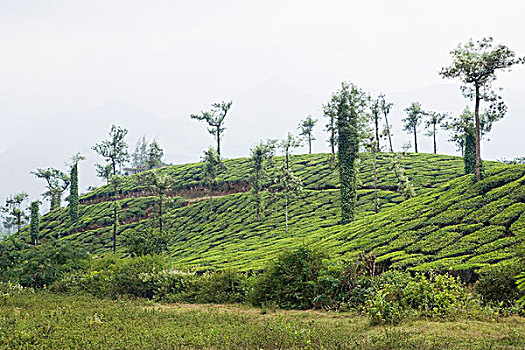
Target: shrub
{"x":343,"y":285}
{"x":521,"y":287}
{"x":498,"y":283}
{"x":146,"y":241}
{"x":227,"y":286}
{"x":399,"y":294}
{"x":290,"y":281}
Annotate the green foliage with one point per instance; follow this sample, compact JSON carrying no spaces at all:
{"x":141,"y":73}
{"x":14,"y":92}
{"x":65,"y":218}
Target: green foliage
{"x":497,"y":284}
{"x":34,"y":227}
{"x":226,"y":286}
{"x":57,"y":182}
{"x":306,"y":130}
{"x":215,"y":119}
{"x":155,"y":154}
{"x":114,"y":151}
{"x":145,"y":241}
{"x":399,"y":294}
{"x":290,"y":281}
{"x":42,"y":265}
{"x":414,"y":117}
{"x":261,"y":160}
{"x":73,"y":190}
{"x":16,"y":214}
{"x":350,"y":103}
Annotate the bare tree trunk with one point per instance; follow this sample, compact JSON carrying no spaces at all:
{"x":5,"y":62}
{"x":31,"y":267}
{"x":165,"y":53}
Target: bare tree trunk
{"x":376,"y":208}
{"x":286,"y":211}
{"x":435,"y":146}
{"x":218,"y":141}
{"x":415,"y":138}
{"x":478,"y":136}
{"x":160,"y":214}
{"x":211,"y":206}
{"x":389,"y":136}
{"x":309,"y":143}
{"x":376,"y":119}
{"x":115,"y":218}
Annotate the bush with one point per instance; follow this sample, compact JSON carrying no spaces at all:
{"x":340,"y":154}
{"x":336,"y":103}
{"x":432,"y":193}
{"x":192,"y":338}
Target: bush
{"x":497,"y":284}
{"x":343,"y":285}
{"x":146,"y":241}
{"x":399,"y":294}
{"x":290,"y":281}
{"x":227,"y":286}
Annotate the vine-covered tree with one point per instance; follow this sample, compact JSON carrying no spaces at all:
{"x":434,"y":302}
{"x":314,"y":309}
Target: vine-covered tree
{"x":57,"y":183}
{"x":114,"y":150}
{"x":404,"y":185}
{"x":306,"y":129}
{"x":463,"y":133}
{"x":155,"y":154}
{"x":289,"y":185}
{"x":34,"y":226}
{"x":160,"y":184}
{"x":413,"y":119}
{"x":261,"y":160}
{"x":15,"y":214}
{"x":431,"y":123}
{"x":215,"y":119}
{"x":385,"y":108}
{"x":73,"y":190}
{"x":351,"y":105}
{"x":330,"y":112}
{"x":476,"y":65}
{"x":211,"y":166}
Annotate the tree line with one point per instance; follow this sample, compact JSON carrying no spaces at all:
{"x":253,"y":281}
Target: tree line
{"x":354,"y":120}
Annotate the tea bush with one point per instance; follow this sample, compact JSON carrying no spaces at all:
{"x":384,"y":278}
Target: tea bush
{"x":290,"y":281}
{"x":399,"y":295}
{"x":497,"y":284}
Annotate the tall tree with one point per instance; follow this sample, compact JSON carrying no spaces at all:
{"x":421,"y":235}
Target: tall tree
{"x":289,"y":184}
{"x":155,"y":154}
{"x":404,"y":185}
{"x":385,"y":108}
{"x":306,"y":129}
{"x":413,"y":119}
{"x":371,"y":140}
{"x":15,"y":214}
{"x":215,"y":119}
{"x":104,"y":171}
{"x":34,"y":226}
{"x":115,"y":149}
{"x":351,"y":103}
{"x":115,"y":152}
{"x":139,"y":157}
{"x":434,"y":120}
{"x":330,"y":112}
{"x":375,"y":109}
{"x":261,"y":160}
{"x":211,"y":167}
{"x":463,"y":133}
{"x":160,"y":184}
{"x":57,"y":183}
{"x":476,"y":64}
{"x":73,"y":190}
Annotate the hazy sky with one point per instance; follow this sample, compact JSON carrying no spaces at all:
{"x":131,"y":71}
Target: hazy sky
{"x":176,"y":57}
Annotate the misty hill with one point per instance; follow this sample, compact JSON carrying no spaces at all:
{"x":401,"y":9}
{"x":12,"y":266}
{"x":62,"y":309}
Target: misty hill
{"x":451,"y":223}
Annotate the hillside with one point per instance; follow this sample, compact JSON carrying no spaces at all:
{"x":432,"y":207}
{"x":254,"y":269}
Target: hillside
{"x":318,"y":177}
{"x":451,"y":223}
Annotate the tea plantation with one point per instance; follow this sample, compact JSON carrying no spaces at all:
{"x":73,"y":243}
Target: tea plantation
{"x":453,"y":223}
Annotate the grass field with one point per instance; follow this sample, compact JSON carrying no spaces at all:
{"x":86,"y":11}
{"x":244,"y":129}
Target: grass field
{"x":47,"y":321}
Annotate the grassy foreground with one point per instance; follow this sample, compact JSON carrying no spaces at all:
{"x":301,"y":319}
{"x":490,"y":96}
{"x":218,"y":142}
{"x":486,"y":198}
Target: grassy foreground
{"x":47,"y":321}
